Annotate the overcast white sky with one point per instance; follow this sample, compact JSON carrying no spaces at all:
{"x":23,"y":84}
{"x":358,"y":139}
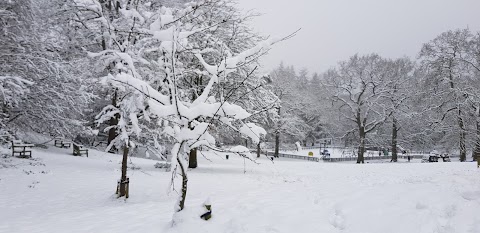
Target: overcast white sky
{"x":333,"y":30}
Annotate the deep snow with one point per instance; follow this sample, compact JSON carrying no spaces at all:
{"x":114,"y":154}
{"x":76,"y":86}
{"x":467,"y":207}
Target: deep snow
{"x":57,"y":192}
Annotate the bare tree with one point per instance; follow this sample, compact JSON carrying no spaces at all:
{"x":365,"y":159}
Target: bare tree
{"x":358,"y":85}
{"x":288,"y":121}
{"x":446,"y":84}
{"x":399,"y":75}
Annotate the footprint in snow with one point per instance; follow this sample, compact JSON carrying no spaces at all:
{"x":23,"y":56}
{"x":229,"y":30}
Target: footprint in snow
{"x":444,"y":221}
{"x":475,"y":226}
{"x":421,"y":206}
{"x":338,"y":219}
{"x":471,"y":196}
{"x":445,"y":229}
{"x":450,"y":211}
{"x":271,"y":229}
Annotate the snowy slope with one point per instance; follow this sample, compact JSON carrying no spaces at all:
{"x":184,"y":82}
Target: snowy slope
{"x":58,"y":192}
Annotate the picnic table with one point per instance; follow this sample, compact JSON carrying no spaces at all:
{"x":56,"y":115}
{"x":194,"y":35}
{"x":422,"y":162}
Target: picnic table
{"x":79,"y":149}
{"x":22,"y":149}
{"x":61,"y":142}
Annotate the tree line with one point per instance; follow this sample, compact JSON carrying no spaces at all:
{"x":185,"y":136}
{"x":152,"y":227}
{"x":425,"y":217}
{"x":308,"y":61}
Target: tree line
{"x":368,"y":101}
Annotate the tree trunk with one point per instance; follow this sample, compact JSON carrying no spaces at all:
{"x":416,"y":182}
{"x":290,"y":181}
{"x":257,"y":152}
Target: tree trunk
{"x":112,"y":132}
{"x":461,"y":125}
{"x":277,"y":134}
{"x":192,"y":158}
{"x":463,"y":134}
{"x":463,"y":148}
{"x":476,"y":151}
{"x":361,"y":146}
{"x":394,"y":140}
{"x":123,"y":179}
{"x":258,"y":149}
{"x":104,"y":44}
{"x":181,"y":202}
{"x":277,"y":143}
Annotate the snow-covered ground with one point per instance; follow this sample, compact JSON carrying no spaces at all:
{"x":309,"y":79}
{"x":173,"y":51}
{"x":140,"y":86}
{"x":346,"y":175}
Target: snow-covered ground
{"x":57,"y":192}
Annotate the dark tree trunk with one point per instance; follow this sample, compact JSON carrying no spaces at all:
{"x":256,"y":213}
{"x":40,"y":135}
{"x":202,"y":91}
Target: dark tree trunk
{"x":463,"y":148}
{"x":104,"y":44}
{"x":112,"y":132}
{"x":361,"y":146}
{"x":258,"y":149}
{"x":461,"y":124}
{"x":117,"y":7}
{"x":277,"y":135}
{"x":476,"y":151}
{"x":123,"y":180}
{"x":463,"y":134}
{"x":394,"y":140}
{"x":361,"y":134}
{"x":181,"y":203}
{"x":277,"y":143}
{"x":192,"y":158}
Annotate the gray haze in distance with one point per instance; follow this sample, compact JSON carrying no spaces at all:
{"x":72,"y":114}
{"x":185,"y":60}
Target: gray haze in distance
{"x":333,"y":30}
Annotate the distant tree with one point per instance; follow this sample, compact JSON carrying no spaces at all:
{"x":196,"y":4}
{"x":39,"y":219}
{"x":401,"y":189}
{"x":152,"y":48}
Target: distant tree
{"x":470,"y":59}
{"x":358,"y":85}
{"x":399,"y":74}
{"x":446,"y":84}
{"x":287,"y":120}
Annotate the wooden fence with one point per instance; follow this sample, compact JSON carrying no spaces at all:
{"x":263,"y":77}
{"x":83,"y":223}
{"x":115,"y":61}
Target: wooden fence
{"x":412,"y":156}
{"x":290,"y":156}
{"x":343,"y":159}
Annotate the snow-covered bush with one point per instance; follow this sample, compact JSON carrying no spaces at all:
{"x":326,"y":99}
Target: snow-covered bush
{"x":40,"y":89}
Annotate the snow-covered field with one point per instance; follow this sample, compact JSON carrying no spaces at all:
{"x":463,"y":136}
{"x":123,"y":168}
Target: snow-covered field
{"x":57,"y":192}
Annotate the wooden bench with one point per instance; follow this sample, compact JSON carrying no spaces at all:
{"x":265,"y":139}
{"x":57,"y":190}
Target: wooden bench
{"x":21,"y":149}
{"x":66,"y":144}
{"x":79,"y":149}
{"x":62,"y":143}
